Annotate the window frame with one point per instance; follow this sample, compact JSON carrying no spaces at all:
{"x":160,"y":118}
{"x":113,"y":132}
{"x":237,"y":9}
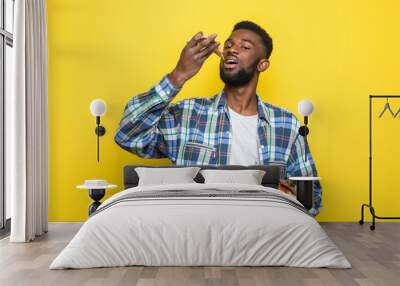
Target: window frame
{"x":6,"y":39}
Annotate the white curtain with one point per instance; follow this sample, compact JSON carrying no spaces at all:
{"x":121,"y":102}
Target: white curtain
{"x":26,"y":123}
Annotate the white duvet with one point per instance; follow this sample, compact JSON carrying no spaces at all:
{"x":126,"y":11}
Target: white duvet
{"x":200,"y":231}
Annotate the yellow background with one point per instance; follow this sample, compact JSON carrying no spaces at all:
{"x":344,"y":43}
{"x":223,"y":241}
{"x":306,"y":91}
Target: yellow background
{"x":335,"y":53}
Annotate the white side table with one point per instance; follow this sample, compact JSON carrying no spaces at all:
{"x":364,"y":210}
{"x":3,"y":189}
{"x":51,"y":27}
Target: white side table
{"x":304,"y":190}
{"x":97,"y":190}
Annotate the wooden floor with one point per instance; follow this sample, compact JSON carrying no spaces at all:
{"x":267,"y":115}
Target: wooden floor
{"x":375,"y":256}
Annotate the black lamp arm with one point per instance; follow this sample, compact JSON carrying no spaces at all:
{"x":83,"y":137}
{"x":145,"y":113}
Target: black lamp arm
{"x":303,"y":131}
{"x":100,"y":131}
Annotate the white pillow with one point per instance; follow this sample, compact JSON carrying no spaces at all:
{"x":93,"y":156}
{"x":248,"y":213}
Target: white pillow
{"x":166,"y":176}
{"x":248,"y":177}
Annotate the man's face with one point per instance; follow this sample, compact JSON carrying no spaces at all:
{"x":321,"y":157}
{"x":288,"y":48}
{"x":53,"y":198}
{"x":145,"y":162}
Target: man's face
{"x":242,"y":52}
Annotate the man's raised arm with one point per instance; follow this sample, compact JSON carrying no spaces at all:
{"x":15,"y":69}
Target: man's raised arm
{"x":148,"y":127}
{"x":139,"y":131}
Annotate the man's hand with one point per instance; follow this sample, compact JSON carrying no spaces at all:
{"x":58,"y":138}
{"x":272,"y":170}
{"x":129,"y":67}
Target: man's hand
{"x":286,"y":187}
{"x":192,"y":57}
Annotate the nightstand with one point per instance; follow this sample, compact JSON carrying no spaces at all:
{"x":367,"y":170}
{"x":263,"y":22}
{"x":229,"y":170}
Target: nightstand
{"x":304,"y":190}
{"x":97,"y":190}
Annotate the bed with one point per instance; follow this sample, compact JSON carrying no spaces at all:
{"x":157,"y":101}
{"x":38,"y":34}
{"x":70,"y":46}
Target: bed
{"x":199,"y":224}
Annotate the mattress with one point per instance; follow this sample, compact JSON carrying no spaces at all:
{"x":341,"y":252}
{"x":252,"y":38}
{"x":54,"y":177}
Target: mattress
{"x":201,"y":225}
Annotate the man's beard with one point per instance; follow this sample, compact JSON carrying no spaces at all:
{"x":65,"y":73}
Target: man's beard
{"x":241,"y":78}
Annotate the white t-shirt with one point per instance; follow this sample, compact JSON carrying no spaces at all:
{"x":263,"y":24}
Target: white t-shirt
{"x":244,"y":144}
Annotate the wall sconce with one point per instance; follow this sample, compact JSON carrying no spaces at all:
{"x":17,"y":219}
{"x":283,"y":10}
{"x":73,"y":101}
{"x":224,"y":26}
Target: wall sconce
{"x":98,"y":108}
{"x":305,"y":108}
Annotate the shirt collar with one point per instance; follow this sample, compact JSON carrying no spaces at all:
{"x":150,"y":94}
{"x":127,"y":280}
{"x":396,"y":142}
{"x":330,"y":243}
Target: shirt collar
{"x":263,"y":112}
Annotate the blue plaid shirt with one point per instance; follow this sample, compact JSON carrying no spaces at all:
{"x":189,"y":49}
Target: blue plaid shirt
{"x":196,"y":131}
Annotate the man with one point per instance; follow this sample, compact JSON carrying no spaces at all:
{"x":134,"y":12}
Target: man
{"x":232,"y":128}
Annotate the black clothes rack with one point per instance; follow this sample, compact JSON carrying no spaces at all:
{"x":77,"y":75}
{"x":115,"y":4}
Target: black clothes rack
{"x":370,"y":206}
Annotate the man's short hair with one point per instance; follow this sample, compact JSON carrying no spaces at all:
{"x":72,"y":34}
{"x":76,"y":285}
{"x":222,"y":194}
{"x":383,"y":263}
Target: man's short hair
{"x":266,"y":39}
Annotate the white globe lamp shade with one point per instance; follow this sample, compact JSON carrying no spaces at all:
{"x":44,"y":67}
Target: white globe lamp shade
{"x":98,"y":107}
{"x":305,"y":107}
